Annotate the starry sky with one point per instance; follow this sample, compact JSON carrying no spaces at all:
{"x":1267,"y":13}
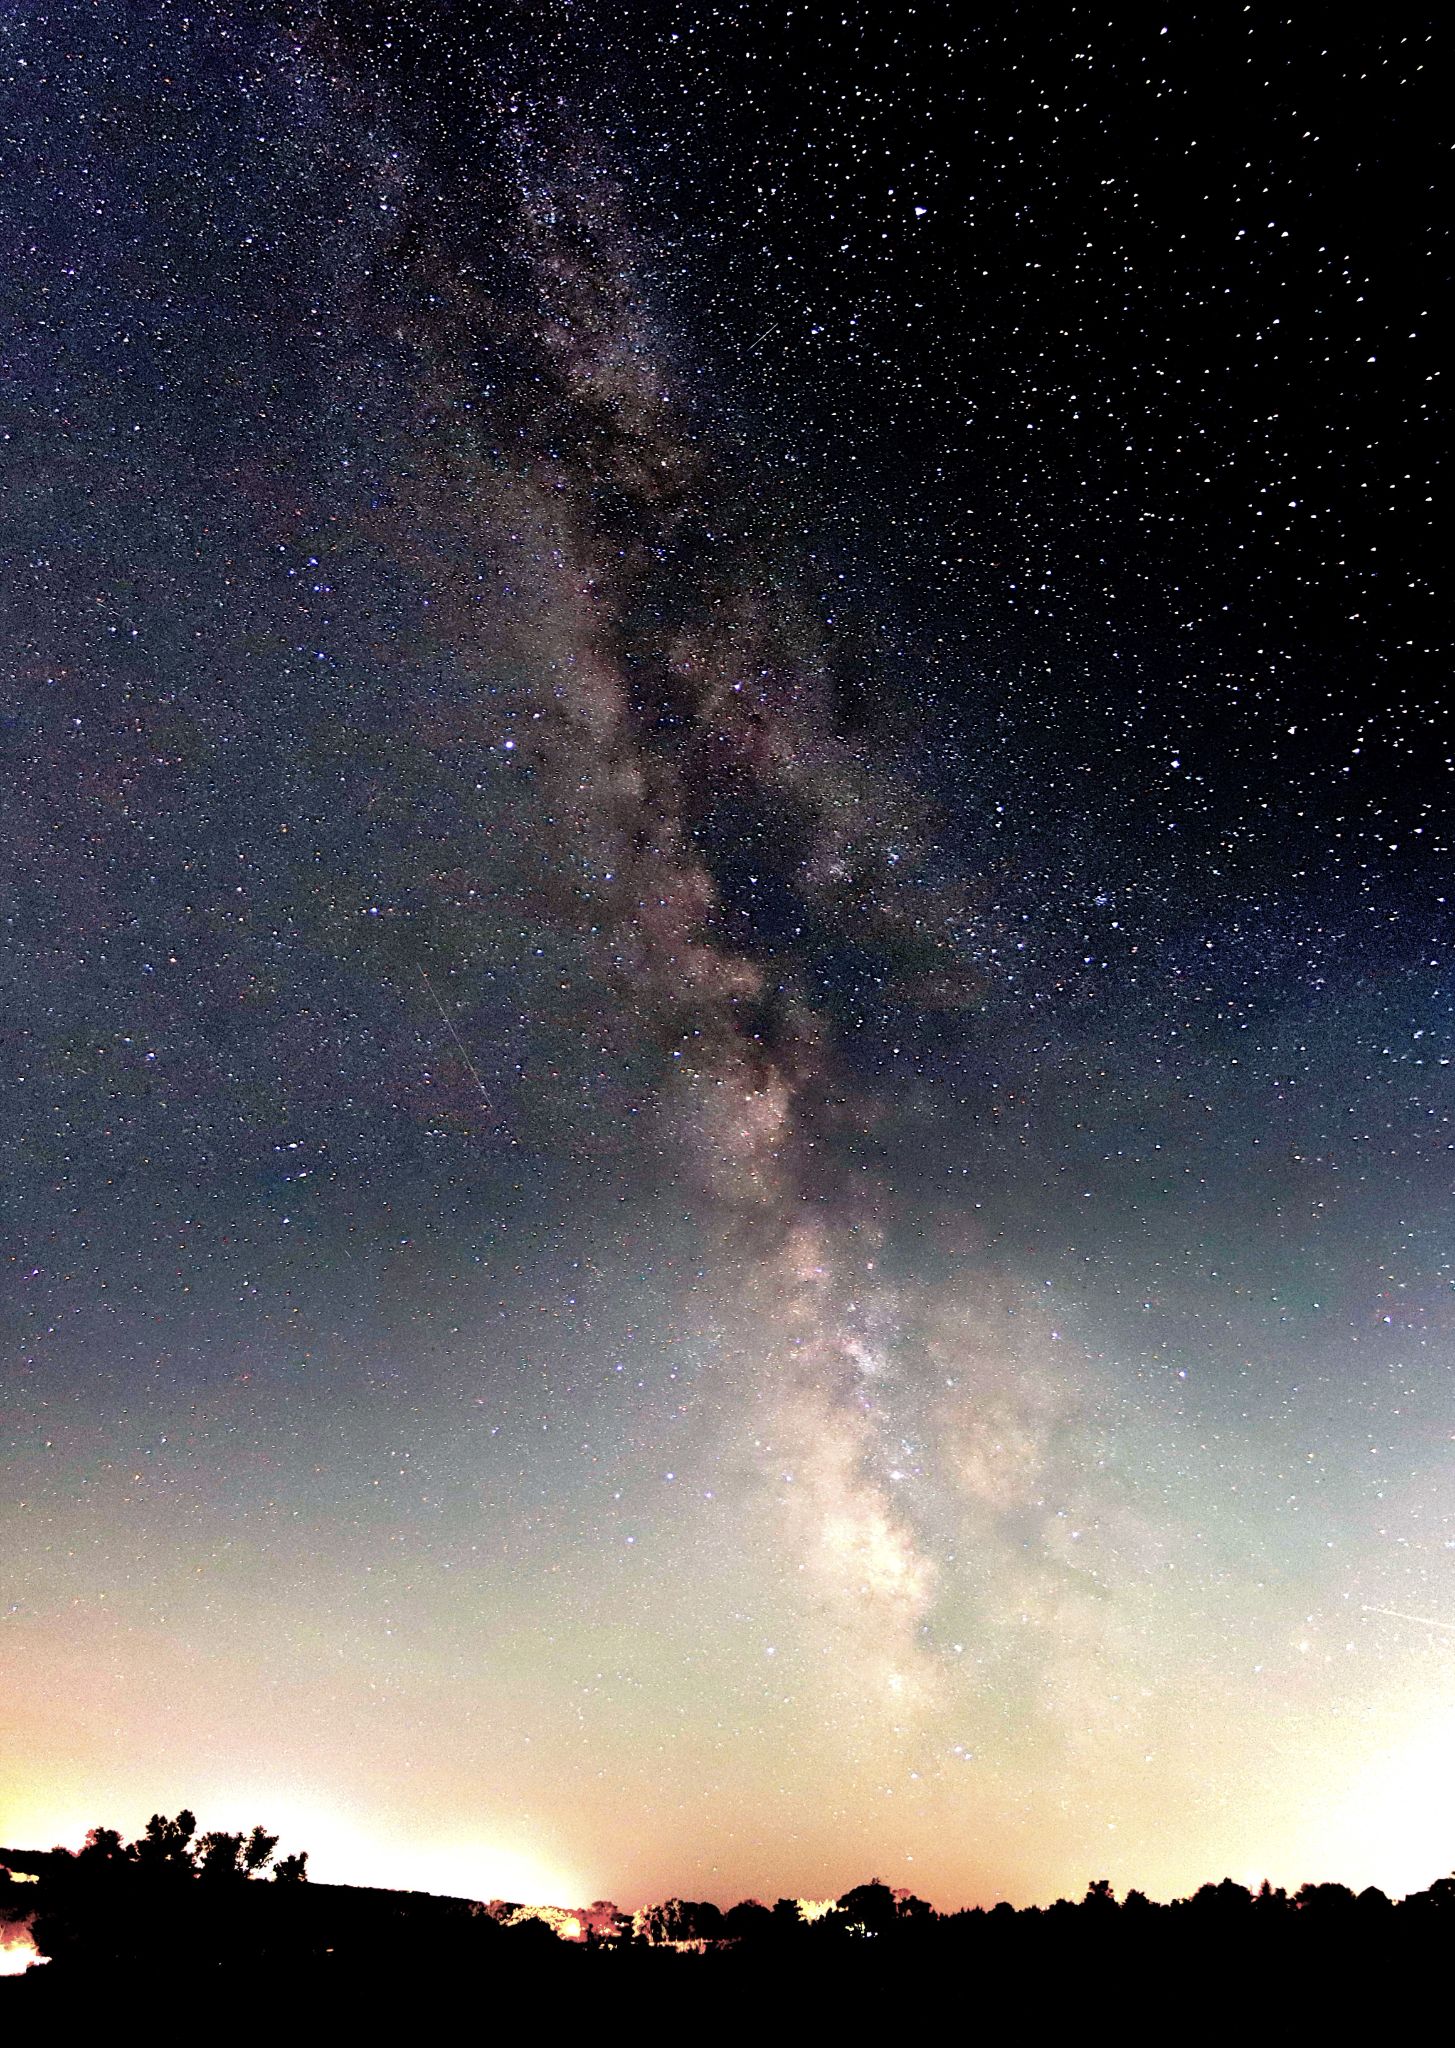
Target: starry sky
{"x":726,"y":953}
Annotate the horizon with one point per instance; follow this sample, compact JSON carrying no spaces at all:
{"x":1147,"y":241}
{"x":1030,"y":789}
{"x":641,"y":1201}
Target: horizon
{"x":809,"y":1909}
{"x":216,"y":1907}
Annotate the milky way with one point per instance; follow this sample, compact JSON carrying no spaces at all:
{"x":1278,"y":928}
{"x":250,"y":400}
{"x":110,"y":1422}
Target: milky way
{"x":727,"y":971}
{"x":669,"y":686}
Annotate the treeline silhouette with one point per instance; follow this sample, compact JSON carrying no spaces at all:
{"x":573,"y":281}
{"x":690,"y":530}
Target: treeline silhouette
{"x":175,"y":1907}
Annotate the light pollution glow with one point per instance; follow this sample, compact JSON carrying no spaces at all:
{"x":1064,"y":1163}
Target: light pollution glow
{"x":1373,"y":1803}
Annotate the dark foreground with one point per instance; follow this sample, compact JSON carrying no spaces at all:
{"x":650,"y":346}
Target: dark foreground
{"x":190,"y":1925}
{"x":371,"y":1959}
{"x":1187,"y":1989}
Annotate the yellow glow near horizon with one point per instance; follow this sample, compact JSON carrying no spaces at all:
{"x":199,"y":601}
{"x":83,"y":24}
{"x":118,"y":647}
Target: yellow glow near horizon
{"x":340,"y":1850}
{"x":1362,"y":1795}
{"x":1395,"y":1824}
{"x":17,"y":1951}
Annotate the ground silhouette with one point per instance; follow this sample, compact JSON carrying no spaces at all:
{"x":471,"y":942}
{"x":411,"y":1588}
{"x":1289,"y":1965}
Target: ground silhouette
{"x":190,"y":1913}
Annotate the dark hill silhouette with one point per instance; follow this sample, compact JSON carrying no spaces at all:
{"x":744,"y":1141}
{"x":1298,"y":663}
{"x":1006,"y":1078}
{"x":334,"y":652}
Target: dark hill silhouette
{"x":188,"y":1912}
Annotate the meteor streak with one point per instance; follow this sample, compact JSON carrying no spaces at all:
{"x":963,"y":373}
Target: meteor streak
{"x":1420,"y":1620}
{"x":449,"y":1024}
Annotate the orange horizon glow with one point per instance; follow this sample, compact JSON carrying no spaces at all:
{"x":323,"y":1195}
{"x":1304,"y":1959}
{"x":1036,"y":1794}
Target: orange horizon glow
{"x":17,"y":1951}
{"x":1388,"y":1820}
{"x":340,"y":1851}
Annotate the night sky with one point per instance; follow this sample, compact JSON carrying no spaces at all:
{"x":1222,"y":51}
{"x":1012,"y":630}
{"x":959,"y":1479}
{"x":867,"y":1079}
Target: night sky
{"x":726,"y":955}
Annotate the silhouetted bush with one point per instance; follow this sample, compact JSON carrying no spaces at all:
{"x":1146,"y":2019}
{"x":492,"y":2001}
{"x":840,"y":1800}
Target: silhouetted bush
{"x":176,"y":1908}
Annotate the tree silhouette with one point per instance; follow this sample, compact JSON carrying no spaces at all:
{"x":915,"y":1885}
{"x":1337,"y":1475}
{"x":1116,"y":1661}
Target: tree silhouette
{"x":225,"y":1856}
{"x":1324,"y":1900}
{"x":869,"y":1908}
{"x":166,"y":1845}
{"x":748,"y":1921}
{"x":1226,"y":1897}
{"x":683,"y":1920}
{"x":176,"y":1905}
{"x":219,"y":1858}
{"x":258,"y":1850}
